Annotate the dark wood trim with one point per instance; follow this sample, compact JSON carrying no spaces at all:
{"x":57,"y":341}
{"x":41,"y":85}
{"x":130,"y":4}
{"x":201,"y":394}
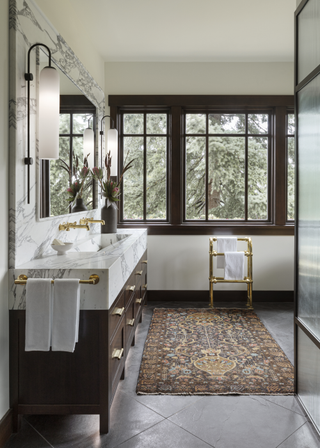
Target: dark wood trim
{"x":55,"y":409}
{"x":5,"y":427}
{"x":259,"y":101}
{"x":175,"y":168}
{"x":280,"y":167}
{"x":210,"y":229}
{"x":71,"y":103}
{"x":223,"y":296}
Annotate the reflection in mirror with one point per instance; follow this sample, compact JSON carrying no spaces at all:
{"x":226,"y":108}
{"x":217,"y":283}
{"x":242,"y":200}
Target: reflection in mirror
{"x":58,"y":187}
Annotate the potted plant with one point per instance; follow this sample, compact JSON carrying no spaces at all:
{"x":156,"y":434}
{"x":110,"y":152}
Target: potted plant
{"x":80,"y":181}
{"x":110,"y":189}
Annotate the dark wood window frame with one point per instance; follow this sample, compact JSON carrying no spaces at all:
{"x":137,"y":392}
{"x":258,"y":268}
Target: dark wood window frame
{"x":177,"y":106}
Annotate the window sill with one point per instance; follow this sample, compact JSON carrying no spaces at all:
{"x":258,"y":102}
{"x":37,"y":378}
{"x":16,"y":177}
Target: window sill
{"x":155,"y":228}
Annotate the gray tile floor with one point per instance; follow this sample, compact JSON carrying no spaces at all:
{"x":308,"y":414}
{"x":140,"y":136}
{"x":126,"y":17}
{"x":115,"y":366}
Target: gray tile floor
{"x":140,"y":421}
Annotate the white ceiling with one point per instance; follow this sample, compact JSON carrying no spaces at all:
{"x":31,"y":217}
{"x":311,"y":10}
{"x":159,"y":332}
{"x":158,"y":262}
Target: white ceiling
{"x":189,"y":30}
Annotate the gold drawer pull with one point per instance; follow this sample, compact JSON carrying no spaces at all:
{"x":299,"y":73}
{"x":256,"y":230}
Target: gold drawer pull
{"x":144,"y":261}
{"x":117,"y":353}
{"x":131,"y":288}
{"x":118,"y":311}
{"x":139,"y":272}
{"x":145,"y":286}
{"x":131,"y":322}
{"x":139,"y":301}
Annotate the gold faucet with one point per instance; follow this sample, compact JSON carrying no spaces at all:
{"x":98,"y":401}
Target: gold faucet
{"x":84,"y":221}
{"x":73,"y":225}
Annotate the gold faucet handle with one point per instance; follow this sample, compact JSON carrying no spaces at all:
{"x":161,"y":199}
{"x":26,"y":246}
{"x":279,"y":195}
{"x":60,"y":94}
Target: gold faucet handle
{"x":84,"y":221}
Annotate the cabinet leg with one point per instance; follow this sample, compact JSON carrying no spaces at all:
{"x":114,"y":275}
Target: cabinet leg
{"x":16,"y":422}
{"x":104,"y":421}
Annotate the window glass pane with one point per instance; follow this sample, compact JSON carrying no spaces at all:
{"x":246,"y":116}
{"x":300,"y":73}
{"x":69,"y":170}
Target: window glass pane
{"x":80,"y":122}
{"x":226,"y":188}
{"x":88,"y":187}
{"x":133,"y":178}
{"x":227,"y":124}
{"x":195,"y":123}
{"x":133,"y":123}
{"x":258,"y":123}
{"x":156,"y":123}
{"x":290,"y":178}
{"x":195,"y":177}
{"x":59,"y":180}
{"x":257,"y":178}
{"x":156,"y":178}
{"x":291,"y":124}
{"x":64,"y":124}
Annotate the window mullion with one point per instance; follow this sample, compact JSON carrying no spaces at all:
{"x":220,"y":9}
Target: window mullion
{"x":246,"y":190}
{"x":145,"y":167}
{"x":207,"y":170}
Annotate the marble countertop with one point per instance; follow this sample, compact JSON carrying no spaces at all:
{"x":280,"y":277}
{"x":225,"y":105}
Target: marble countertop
{"x":111,"y":256}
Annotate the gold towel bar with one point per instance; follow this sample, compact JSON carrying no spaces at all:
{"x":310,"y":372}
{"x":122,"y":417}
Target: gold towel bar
{"x":93,"y":280}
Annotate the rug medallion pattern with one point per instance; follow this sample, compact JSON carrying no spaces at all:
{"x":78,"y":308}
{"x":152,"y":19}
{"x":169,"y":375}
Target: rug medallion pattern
{"x":219,"y":351}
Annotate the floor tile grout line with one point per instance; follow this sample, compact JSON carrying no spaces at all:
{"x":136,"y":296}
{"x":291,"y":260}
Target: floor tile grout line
{"x":279,"y":446}
{"x":38,"y":433}
{"x":141,"y":432}
{"x":197,"y":437}
{"x":287,"y":409}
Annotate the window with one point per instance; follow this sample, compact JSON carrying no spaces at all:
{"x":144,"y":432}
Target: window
{"x":290,"y":146}
{"x":145,"y":140}
{"x":71,"y":129}
{"x":226,"y":166}
{"x":206,"y":164}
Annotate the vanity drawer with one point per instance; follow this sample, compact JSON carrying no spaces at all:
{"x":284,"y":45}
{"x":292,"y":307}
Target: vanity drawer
{"x":129,"y":289}
{"x":130,"y":326}
{"x":117,"y":355}
{"x":116,"y":313}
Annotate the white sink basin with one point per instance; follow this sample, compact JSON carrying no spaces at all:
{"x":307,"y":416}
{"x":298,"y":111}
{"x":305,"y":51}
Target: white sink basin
{"x":99,"y":242}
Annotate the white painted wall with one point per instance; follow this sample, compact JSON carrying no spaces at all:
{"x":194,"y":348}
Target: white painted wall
{"x":4,"y":215}
{"x":181,"y":262}
{"x":207,"y":78}
{"x":63,"y":16}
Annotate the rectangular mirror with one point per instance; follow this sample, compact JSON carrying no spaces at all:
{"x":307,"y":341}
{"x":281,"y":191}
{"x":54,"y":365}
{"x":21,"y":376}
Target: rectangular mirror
{"x":59,"y":179}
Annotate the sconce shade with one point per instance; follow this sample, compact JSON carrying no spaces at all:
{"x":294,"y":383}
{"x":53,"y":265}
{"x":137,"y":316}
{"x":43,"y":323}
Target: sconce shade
{"x":49,"y":108}
{"x":88,"y":146}
{"x":112,"y":146}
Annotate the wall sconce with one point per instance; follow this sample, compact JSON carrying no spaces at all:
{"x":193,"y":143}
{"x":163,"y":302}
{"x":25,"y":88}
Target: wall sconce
{"x":49,"y":104}
{"x":88,"y":145}
{"x":112,"y":145}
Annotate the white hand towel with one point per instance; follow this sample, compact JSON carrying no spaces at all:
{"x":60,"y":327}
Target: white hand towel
{"x":65,"y":316}
{"x":228,"y":244}
{"x":38,"y":314}
{"x":234,"y":266}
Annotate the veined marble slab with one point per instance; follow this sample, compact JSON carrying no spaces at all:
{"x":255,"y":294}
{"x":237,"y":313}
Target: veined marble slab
{"x":113,"y":263}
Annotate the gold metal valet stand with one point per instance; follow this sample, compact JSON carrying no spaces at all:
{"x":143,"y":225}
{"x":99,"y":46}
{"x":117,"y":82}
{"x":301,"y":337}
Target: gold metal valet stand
{"x":248,"y":279}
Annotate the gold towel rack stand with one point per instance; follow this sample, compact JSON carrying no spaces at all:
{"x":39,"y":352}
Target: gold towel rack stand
{"x":248,"y":279}
{"x":93,"y":280}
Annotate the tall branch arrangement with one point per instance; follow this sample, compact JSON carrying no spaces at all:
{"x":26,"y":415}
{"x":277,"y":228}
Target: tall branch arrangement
{"x":110,"y":189}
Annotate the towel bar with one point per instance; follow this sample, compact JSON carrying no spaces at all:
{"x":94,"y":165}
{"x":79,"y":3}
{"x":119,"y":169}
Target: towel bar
{"x":248,"y":279}
{"x":93,"y":280}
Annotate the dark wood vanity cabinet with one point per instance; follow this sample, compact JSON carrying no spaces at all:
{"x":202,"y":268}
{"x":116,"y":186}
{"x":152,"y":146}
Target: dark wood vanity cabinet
{"x":83,"y":382}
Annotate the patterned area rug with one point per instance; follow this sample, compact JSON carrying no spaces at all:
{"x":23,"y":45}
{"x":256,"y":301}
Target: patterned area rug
{"x":212,"y":352}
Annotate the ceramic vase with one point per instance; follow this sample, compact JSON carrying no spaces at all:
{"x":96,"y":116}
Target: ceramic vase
{"x":109,"y":215}
{"x":79,"y":206}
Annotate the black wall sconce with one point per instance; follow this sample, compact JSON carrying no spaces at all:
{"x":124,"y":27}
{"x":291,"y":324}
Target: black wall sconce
{"x":49,"y":108}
